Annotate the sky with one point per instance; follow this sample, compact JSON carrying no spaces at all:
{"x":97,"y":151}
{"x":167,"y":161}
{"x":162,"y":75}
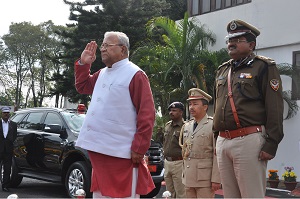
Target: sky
{"x":34,"y":11}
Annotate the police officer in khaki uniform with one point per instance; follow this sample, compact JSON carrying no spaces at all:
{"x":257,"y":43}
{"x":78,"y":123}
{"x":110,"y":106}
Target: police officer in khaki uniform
{"x":200,"y":170}
{"x":172,"y":151}
{"x":248,"y":114}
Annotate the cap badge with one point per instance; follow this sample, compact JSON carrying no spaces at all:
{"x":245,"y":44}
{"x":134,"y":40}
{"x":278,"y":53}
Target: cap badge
{"x":233,"y":25}
{"x":274,"y":84}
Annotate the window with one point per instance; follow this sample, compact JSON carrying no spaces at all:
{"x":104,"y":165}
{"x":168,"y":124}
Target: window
{"x":218,"y":4}
{"x":227,"y":3}
{"x":296,"y":76}
{"x":198,"y":7}
{"x":74,"y":121}
{"x":195,"y":7}
{"x":53,"y":118}
{"x":32,"y":121}
{"x":18,"y":118}
{"x":53,"y":123}
{"x":205,"y":6}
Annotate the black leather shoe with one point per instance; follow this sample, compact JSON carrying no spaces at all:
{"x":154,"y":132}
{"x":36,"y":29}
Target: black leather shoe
{"x":5,"y":189}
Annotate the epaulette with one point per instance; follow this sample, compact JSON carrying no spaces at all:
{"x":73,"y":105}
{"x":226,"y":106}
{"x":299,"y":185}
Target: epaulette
{"x":192,"y":119}
{"x":224,"y":64}
{"x":268,"y":60}
{"x":184,"y":125}
{"x":169,"y":122}
{"x":210,"y":117}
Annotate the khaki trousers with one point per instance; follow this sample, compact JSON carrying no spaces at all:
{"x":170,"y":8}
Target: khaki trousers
{"x":242,"y":174}
{"x":199,"y":192}
{"x":173,"y":178}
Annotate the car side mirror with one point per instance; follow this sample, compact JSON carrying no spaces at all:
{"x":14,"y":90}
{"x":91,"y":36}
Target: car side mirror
{"x":53,"y":128}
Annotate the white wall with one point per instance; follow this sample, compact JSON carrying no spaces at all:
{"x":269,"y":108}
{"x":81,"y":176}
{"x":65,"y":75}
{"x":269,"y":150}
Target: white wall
{"x":278,"y":21}
{"x":282,"y":54}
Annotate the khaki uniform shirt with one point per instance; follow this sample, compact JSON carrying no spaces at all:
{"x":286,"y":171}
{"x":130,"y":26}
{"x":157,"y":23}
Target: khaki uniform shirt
{"x":257,"y":94}
{"x":200,"y":166}
{"x":171,"y":139}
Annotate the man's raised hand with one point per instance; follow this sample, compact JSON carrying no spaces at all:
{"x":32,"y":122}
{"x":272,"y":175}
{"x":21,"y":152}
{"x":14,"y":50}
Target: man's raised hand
{"x":88,"y":56}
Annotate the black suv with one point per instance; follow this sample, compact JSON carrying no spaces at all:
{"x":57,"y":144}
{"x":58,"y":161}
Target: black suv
{"x":45,"y":150}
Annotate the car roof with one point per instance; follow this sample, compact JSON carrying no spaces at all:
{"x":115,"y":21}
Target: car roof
{"x":39,"y":109}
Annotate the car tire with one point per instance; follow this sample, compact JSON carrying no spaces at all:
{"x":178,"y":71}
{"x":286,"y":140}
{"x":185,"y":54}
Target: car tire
{"x":15,"y":178}
{"x":78,"y":177}
{"x":154,"y":192}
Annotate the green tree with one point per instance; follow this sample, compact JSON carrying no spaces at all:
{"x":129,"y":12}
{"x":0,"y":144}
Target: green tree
{"x":16,"y":48}
{"x":211,"y":60}
{"x":55,"y":56}
{"x":150,"y":57}
{"x":176,"y":10}
{"x":28,"y":60}
{"x":177,"y":58}
{"x":186,"y":40}
{"x":5,"y":99}
{"x":129,"y":16}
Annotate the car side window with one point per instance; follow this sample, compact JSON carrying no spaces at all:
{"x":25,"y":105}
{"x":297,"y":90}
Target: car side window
{"x":32,"y":121}
{"x":18,"y":118}
{"x":53,"y":118}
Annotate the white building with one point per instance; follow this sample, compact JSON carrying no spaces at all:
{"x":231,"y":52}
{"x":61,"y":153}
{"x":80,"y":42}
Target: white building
{"x":280,"y":39}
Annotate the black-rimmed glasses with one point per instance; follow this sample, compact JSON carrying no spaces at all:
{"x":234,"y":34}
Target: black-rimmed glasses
{"x":234,"y":41}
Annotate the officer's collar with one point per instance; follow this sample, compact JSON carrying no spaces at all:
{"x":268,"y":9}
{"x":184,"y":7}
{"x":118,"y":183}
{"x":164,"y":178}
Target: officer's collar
{"x":248,"y":60}
{"x":177,"y":123}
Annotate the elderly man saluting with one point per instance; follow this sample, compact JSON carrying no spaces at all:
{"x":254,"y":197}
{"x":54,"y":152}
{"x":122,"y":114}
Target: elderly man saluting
{"x":118,"y":126}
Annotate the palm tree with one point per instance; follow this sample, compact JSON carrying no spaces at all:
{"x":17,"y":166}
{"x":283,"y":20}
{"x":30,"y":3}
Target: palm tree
{"x":176,"y":58}
{"x":184,"y":41}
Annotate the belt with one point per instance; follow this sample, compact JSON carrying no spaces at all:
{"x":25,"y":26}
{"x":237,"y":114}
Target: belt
{"x":173,"y":158}
{"x":200,"y":155}
{"x":240,"y":132}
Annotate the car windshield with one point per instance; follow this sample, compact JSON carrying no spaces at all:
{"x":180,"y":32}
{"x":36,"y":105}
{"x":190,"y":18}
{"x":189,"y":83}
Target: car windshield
{"x":74,"y":120}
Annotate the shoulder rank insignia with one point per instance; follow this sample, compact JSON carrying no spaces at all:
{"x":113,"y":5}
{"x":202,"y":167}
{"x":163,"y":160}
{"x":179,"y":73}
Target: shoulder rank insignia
{"x":274,"y":84}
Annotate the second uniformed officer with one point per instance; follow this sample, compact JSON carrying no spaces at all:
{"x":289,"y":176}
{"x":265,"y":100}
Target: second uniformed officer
{"x":172,"y":151}
{"x":200,"y":170}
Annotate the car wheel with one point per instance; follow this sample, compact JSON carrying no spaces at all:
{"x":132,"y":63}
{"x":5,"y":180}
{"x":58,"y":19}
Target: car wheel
{"x":15,"y":179}
{"x":154,"y":192}
{"x":78,"y":177}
